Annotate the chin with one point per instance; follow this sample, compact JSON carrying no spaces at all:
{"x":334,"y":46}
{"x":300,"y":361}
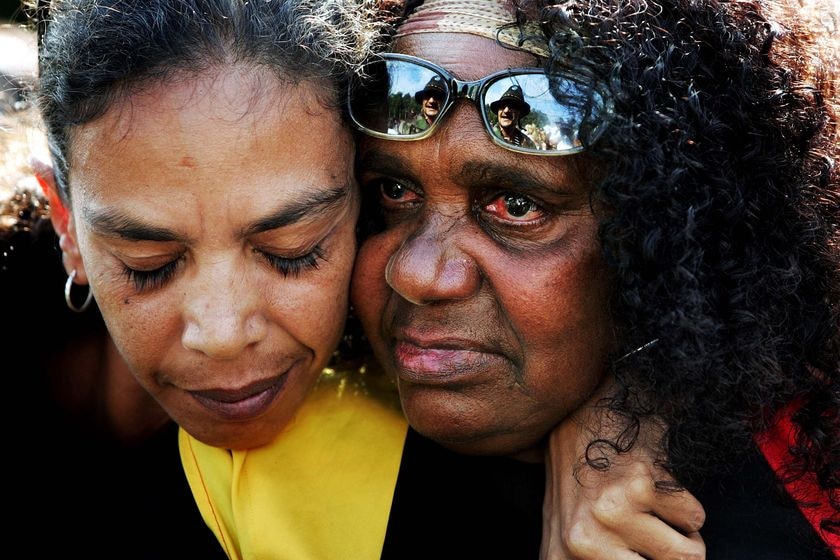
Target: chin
{"x":463,"y":429}
{"x":235,"y":439}
{"x":456,"y":430}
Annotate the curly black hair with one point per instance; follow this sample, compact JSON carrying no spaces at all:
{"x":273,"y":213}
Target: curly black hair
{"x":723,"y":231}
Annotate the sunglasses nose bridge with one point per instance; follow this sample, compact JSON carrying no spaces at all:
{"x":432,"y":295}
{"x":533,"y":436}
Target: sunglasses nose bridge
{"x":466,"y":90}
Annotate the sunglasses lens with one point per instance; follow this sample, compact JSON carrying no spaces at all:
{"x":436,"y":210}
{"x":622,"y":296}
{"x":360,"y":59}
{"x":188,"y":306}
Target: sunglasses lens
{"x":397,"y":98}
{"x":523,"y":112}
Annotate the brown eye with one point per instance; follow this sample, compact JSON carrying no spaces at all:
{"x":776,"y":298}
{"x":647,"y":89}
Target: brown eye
{"x":518,"y":206}
{"x":393,"y":190}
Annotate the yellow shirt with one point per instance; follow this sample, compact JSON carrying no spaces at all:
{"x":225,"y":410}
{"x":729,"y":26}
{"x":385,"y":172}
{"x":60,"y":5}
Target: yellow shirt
{"x":321,"y":490}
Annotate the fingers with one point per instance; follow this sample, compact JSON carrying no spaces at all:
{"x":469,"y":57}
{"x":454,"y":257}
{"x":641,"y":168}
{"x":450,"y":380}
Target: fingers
{"x":627,"y":517}
{"x":617,"y":513}
{"x":634,"y":488}
{"x":639,"y":536}
{"x":587,"y":541}
{"x":652,"y":538}
{"x":679,"y":509}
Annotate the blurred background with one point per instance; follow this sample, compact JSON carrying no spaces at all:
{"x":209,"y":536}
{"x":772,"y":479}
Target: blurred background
{"x":10,"y":11}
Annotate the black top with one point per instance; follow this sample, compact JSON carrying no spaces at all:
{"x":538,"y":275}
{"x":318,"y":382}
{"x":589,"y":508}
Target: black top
{"x":750,"y":517}
{"x":454,"y":506}
{"x":101,"y":501}
{"x":451,"y":506}
{"x":72,"y":490}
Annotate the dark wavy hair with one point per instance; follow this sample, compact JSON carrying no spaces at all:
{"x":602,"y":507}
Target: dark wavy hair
{"x":723,"y":229}
{"x":96,"y":52}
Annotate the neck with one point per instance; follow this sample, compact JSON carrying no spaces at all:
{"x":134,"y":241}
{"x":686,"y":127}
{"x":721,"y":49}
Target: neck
{"x":133,"y":412}
{"x":508,"y":132}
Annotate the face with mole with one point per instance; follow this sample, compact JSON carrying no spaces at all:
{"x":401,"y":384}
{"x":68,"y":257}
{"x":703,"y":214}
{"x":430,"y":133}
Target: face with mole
{"x":219,"y":253}
{"x":484,"y":295}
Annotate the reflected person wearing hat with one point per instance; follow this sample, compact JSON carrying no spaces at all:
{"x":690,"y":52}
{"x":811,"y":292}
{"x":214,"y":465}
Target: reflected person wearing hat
{"x":509,"y":109}
{"x":431,"y":99}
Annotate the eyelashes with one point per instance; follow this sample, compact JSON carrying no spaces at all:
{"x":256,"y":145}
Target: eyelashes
{"x":148,"y":280}
{"x":295,"y":266}
{"x":145,"y":280}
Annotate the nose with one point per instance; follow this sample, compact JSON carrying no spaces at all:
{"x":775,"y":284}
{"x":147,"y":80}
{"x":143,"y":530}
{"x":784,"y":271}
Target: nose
{"x":431,"y":265}
{"x":222,"y":313}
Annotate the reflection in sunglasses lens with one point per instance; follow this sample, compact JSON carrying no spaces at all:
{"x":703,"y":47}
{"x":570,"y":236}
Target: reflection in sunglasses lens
{"x":398,"y":98}
{"x":522,"y":110}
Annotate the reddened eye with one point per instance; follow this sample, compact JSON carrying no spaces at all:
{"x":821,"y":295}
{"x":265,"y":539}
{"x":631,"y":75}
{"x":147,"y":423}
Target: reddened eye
{"x":514,"y":207}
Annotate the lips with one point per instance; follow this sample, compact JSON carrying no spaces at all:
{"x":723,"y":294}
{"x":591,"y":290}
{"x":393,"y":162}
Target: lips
{"x":442,"y":361}
{"x":241,"y":404}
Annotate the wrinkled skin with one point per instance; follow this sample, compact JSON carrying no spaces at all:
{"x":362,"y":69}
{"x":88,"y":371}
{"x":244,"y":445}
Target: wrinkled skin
{"x":484,"y":296}
{"x":216,"y":230}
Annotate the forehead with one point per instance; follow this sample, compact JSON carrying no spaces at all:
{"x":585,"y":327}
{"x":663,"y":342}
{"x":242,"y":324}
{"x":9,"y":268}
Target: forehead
{"x":467,"y":57}
{"x":214,"y":142}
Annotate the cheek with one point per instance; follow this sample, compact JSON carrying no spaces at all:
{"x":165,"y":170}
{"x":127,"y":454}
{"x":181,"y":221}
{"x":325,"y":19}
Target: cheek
{"x":369,"y":291}
{"x":563,"y":324}
{"x":313,"y":312}
{"x":143,"y":332}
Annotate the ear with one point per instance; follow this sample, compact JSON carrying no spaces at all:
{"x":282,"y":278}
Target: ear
{"x":61,"y":219}
{"x":46,"y":179}
{"x":70,"y":255}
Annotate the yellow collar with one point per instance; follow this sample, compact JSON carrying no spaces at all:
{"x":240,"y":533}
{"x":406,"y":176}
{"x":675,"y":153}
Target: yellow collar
{"x":322,"y":489}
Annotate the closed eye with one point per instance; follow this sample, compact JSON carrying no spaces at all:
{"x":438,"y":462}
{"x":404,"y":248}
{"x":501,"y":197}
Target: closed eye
{"x":294,"y":266}
{"x":146,"y":280}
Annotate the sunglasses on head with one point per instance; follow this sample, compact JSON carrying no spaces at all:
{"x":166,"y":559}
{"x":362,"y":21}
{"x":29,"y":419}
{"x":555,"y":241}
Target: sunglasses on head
{"x":522,"y":109}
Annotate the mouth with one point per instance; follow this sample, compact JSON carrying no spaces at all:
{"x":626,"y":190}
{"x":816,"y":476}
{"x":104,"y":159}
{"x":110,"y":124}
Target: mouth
{"x":242,"y":404}
{"x":442,"y":362}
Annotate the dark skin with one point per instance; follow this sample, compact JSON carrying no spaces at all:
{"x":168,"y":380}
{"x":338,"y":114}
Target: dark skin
{"x":454,"y":295}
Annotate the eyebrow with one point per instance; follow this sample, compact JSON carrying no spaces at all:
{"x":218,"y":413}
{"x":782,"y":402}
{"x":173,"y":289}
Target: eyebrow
{"x":118,"y":224}
{"x":471,"y":173}
{"x":483,"y":172}
{"x":111,"y":223}
{"x":390,"y":164}
{"x":313,"y":205}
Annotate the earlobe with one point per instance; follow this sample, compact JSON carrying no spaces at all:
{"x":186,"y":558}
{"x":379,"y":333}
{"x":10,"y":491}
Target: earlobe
{"x":70,"y":255}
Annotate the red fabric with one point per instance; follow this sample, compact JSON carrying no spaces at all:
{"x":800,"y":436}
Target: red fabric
{"x":813,"y":501}
{"x":56,"y":206}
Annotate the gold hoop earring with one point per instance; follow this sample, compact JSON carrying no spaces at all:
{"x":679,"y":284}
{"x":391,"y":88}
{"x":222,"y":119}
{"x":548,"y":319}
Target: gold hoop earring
{"x":68,"y":287}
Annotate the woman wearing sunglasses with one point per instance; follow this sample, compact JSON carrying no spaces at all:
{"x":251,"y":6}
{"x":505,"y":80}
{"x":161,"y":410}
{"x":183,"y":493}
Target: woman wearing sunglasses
{"x":218,"y":249}
{"x":677,"y":240}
